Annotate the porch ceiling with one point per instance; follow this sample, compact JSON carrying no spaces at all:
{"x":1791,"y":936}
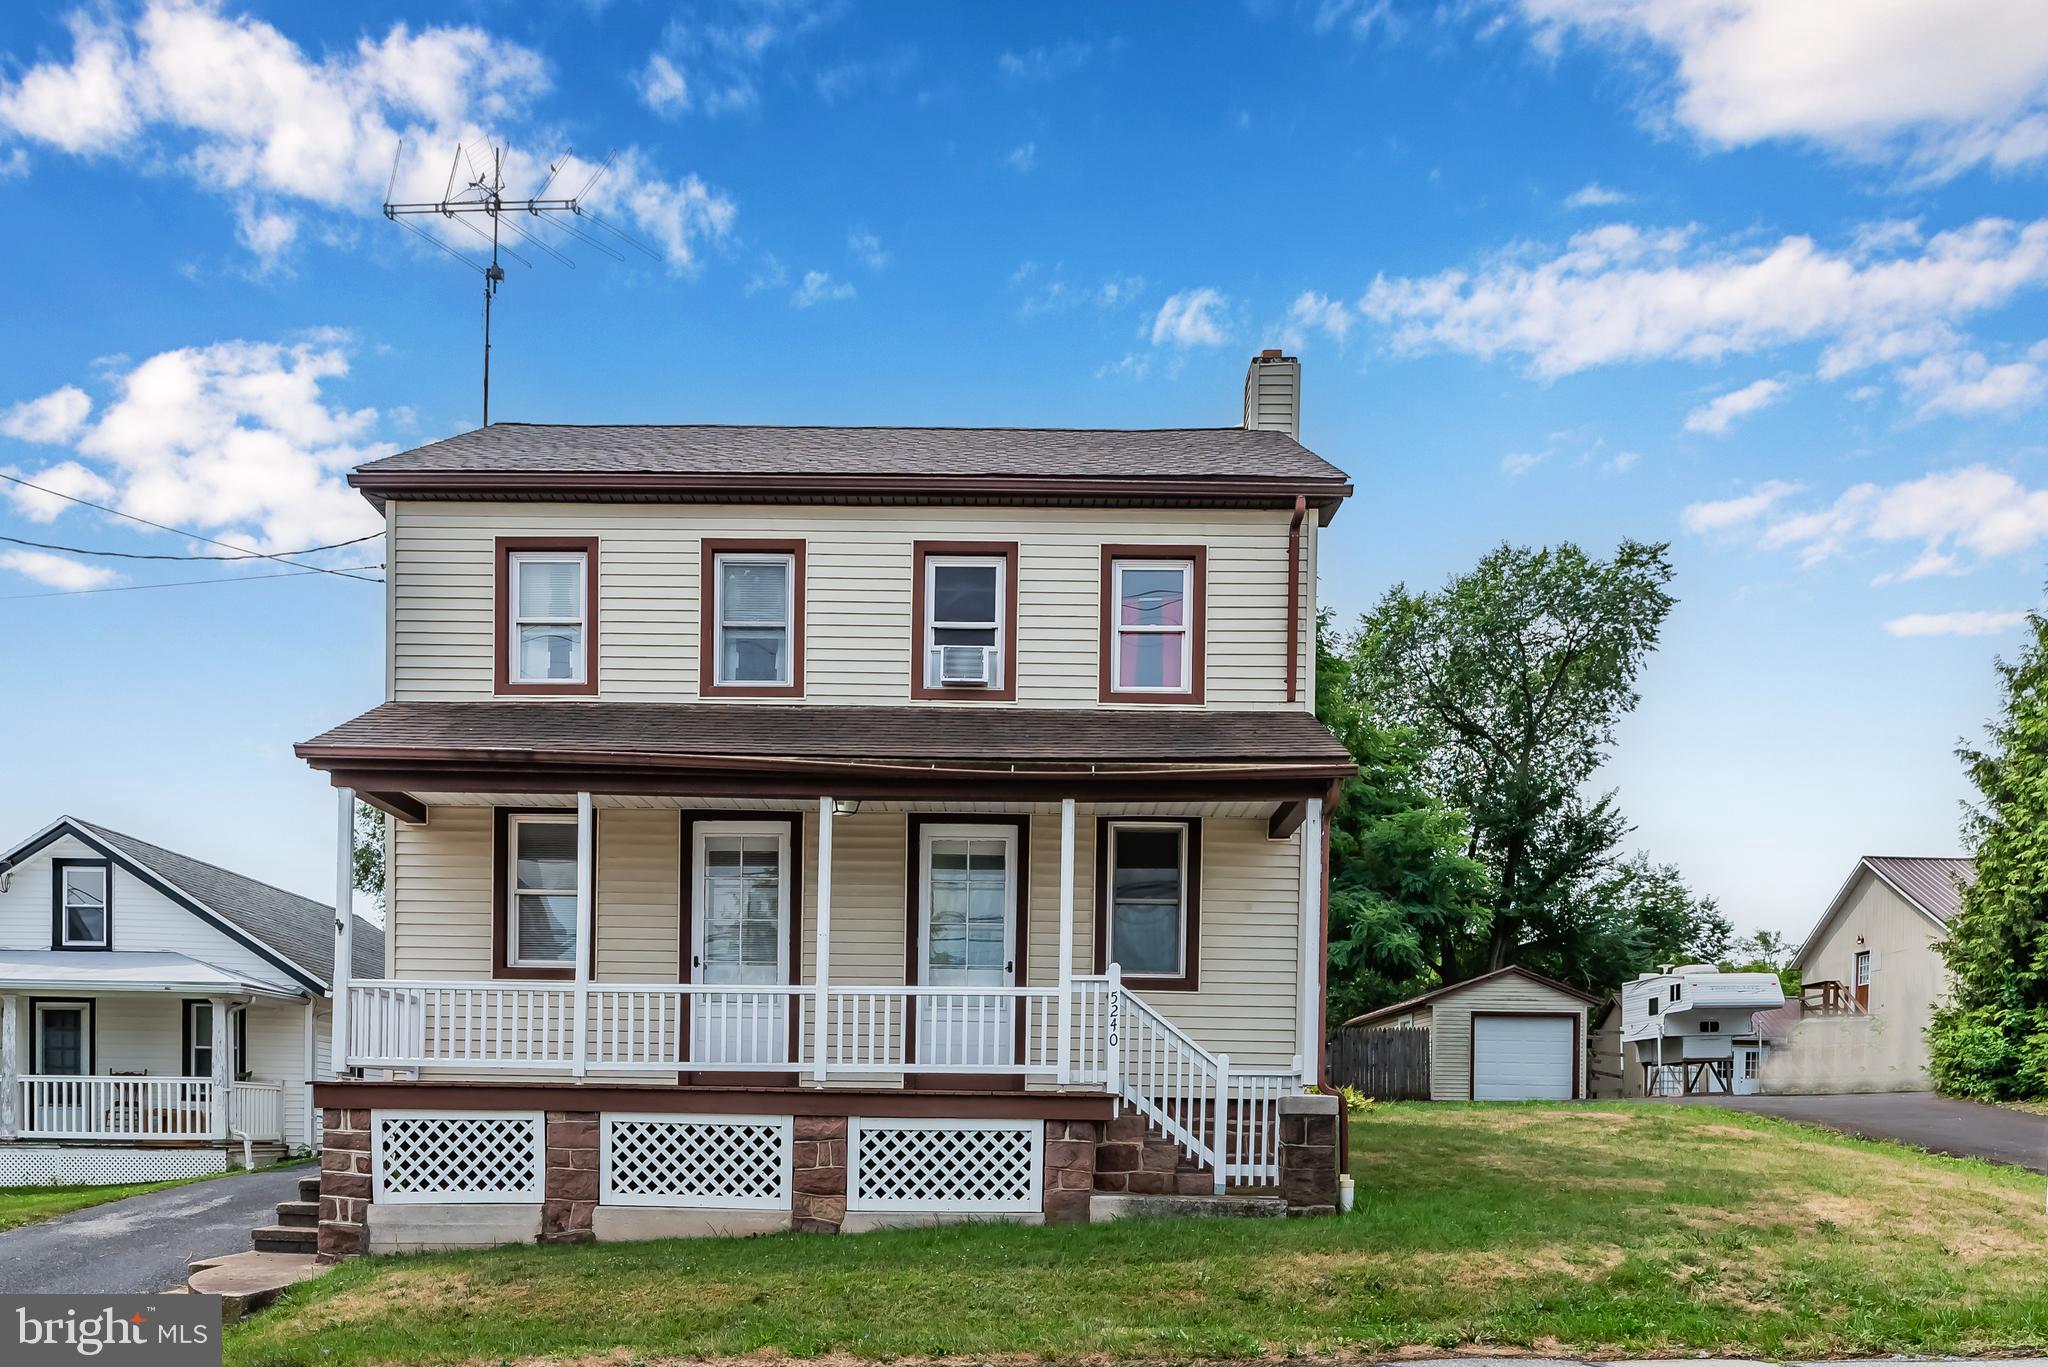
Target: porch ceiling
{"x":48,"y":970}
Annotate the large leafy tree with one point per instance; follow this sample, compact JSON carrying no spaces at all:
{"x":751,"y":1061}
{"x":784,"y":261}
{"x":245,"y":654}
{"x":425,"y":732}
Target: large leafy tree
{"x":1990,"y":1039}
{"x":367,"y":856}
{"x":1512,"y":678}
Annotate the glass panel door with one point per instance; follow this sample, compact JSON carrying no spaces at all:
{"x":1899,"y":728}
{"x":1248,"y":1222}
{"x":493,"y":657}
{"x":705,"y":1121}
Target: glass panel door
{"x":741,"y":929}
{"x":968,"y":928}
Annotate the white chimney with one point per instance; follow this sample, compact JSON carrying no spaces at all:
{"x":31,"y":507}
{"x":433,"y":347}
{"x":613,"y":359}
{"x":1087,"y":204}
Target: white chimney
{"x":1272,"y":394}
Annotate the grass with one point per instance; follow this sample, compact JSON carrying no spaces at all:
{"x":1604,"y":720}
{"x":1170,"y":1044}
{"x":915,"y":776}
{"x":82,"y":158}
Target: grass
{"x":1644,"y":1229}
{"x":26,"y":1205}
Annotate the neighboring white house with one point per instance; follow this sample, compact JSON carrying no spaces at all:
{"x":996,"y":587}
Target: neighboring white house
{"x":1692,"y":1029}
{"x":1871,"y":975}
{"x":156,"y":1011}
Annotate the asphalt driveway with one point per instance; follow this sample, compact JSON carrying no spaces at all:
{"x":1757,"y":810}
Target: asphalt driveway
{"x":140,"y":1245}
{"x":1938,"y":1124}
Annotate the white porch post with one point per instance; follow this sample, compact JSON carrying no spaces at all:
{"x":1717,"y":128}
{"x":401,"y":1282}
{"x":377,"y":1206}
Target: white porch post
{"x":344,"y":925}
{"x":821,"y":980}
{"x":586,"y":873}
{"x":1066,"y":1002}
{"x":1312,"y":942}
{"x":11,"y":1040}
{"x":222,"y":1078}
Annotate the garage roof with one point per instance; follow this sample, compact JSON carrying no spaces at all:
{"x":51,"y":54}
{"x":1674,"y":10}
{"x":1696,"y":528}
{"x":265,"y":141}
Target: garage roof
{"x":1426,"y":998}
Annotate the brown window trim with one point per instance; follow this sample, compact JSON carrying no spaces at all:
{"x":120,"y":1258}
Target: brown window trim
{"x":1020,"y":975}
{"x":707,"y":615}
{"x":1198,"y":611}
{"x":501,"y":897}
{"x":687,"y":932}
{"x":925,"y":550}
{"x":501,"y":617}
{"x":1191,"y":929}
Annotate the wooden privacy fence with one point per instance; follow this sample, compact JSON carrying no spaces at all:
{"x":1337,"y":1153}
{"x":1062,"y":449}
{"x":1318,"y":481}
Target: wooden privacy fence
{"x":1390,"y":1063}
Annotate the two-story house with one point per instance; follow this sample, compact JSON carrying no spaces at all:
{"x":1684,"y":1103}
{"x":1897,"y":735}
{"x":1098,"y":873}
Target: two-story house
{"x":830,"y":827}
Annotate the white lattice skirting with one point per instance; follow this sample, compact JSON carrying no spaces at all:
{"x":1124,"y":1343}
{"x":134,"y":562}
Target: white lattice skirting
{"x":945,"y":1166}
{"x":104,"y":1167}
{"x":423,"y":1157}
{"x":721,"y":1162}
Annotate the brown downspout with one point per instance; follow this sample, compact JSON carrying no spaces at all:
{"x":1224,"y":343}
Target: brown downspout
{"x":1294,"y":597}
{"x":1323,"y":995}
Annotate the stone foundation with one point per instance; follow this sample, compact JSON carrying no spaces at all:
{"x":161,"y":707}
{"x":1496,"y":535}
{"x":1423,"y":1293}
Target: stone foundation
{"x":1135,"y":1159}
{"x":1308,"y":1154}
{"x":818,"y":1184}
{"x":344,"y":1184}
{"x":1069,"y":1170}
{"x":571,"y":1190}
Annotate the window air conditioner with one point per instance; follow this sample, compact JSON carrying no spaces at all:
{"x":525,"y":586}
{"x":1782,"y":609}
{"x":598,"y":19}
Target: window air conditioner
{"x":966,"y":666}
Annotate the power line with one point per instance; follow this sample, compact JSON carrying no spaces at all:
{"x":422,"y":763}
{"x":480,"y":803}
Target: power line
{"x":179,"y":531}
{"x":136,"y":555}
{"x":190,"y":583}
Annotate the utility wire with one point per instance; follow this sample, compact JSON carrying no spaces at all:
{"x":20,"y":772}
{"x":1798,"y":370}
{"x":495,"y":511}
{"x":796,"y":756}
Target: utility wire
{"x":186,"y":583}
{"x":136,"y":555}
{"x":179,"y":531}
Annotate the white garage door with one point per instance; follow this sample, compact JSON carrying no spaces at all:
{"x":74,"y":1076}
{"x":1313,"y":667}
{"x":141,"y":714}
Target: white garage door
{"x":1522,"y":1058}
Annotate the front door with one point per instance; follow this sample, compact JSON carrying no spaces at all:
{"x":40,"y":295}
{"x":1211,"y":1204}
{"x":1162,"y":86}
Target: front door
{"x":967,"y":938}
{"x":1862,"y":983}
{"x":740,"y":931}
{"x":63,"y":1048}
{"x":1749,"y":1061}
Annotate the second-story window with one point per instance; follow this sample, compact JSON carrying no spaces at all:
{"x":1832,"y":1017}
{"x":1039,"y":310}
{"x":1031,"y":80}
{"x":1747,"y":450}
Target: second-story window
{"x":753,"y":638}
{"x":966,"y":631}
{"x":1152,"y":623}
{"x":547,"y":615}
{"x":83,"y":904}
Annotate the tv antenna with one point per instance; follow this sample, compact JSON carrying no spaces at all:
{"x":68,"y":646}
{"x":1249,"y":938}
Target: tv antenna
{"x":527,"y":219}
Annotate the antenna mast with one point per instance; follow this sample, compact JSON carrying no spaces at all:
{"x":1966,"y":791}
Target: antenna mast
{"x":484,"y":193}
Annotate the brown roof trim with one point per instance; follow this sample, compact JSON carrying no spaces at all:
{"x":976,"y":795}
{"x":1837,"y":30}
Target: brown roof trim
{"x":1411,"y":1003}
{"x":586,"y":486}
{"x":713,"y":1100}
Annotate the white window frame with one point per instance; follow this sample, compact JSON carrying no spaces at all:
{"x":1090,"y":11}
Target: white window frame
{"x":513,"y":957}
{"x":1179,"y":828}
{"x":516,"y":562}
{"x":106,"y":872}
{"x":1186,"y":630}
{"x":932,"y":626}
{"x":719,"y":624}
{"x":934,"y":831}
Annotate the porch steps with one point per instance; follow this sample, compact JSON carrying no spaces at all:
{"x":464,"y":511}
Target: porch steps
{"x":1106,"y":1205}
{"x":299,"y":1214}
{"x":282,"y":1238}
{"x":249,"y":1281}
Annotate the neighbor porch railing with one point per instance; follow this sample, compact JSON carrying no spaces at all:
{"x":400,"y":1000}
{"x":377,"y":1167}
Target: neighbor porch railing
{"x":1224,"y":1118}
{"x":146,"y":1108}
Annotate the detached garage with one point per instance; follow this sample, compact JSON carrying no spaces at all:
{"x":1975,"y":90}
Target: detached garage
{"x":1509,"y":1035}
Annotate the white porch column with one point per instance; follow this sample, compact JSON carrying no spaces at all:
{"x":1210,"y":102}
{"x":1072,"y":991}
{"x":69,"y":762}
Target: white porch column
{"x":586,"y":951}
{"x":222,"y":1077}
{"x":1066,"y":1002}
{"x":821,"y":980}
{"x":12,"y":1040}
{"x":1312,"y":942}
{"x":344,"y":925}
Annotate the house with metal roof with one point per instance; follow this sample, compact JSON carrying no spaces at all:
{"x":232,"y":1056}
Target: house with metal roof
{"x":160,"y":1016}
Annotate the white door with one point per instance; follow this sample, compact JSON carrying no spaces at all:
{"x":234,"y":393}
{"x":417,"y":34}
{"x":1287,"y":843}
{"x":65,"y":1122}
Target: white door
{"x":1749,"y":1067}
{"x":1524,"y":1058}
{"x":741,"y":941}
{"x":967,"y":933}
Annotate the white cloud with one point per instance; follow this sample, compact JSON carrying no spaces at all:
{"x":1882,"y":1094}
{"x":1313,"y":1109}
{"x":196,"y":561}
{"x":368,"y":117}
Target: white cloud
{"x":49,"y":421}
{"x":1623,"y":294}
{"x":1727,"y":513}
{"x":1941,"y":86}
{"x":1621,"y":462}
{"x":235,"y":440}
{"x":1044,"y":63}
{"x":1516,"y":463}
{"x":14,"y":164}
{"x":1310,"y":310}
{"x":1717,"y":415}
{"x":820,"y":288}
{"x":663,"y":87}
{"x":718,"y":53}
{"x":1594,"y":195}
{"x":244,"y":111}
{"x":1965,"y":384}
{"x":1189,"y":319}
{"x":1022,"y":158}
{"x":65,"y":481}
{"x":57,"y":571}
{"x":265,"y":233}
{"x":1955,"y":623}
{"x":1135,"y":365}
{"x":866,"y":248}
{"x":1048,"y":291}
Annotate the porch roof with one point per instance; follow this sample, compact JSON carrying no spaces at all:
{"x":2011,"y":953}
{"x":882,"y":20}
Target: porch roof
{"x":54,"y":970}
{"x":807,"y":749}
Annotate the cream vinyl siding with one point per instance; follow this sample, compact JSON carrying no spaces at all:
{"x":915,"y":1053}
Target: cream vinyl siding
{"x":1247,"y":1007}
{"x":858,"y":646}
{"x":1450,"y":1028}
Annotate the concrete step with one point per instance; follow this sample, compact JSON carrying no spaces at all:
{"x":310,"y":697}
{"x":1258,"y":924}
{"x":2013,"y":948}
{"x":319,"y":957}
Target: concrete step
{"x":249,"y":1281}
{"x":309,"y":1188}
{"x":285,"y":1239}
{"x":299,"y":1214}
{"x":1105,"y":1205}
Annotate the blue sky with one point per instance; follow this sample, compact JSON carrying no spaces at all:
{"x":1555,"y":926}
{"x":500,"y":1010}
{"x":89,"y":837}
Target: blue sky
{"x":1733,"y":275}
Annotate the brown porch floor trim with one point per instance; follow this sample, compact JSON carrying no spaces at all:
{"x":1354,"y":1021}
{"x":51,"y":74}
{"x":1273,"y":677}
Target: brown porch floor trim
{"x":833,"y":1101}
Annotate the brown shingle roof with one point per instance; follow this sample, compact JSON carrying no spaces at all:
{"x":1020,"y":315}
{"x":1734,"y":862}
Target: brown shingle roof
{"x":1396,"y":1008}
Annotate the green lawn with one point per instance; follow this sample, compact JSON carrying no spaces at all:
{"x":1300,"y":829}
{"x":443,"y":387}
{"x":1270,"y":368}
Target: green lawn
{"x":1645,"y":1229}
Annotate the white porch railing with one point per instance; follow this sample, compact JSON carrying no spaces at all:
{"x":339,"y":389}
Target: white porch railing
{"x":145,"y":1108}
{"x":1224,"y":1118}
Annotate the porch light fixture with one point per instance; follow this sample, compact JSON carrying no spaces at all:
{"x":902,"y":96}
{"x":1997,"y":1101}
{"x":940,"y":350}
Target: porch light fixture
{"x":845,"y":806}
